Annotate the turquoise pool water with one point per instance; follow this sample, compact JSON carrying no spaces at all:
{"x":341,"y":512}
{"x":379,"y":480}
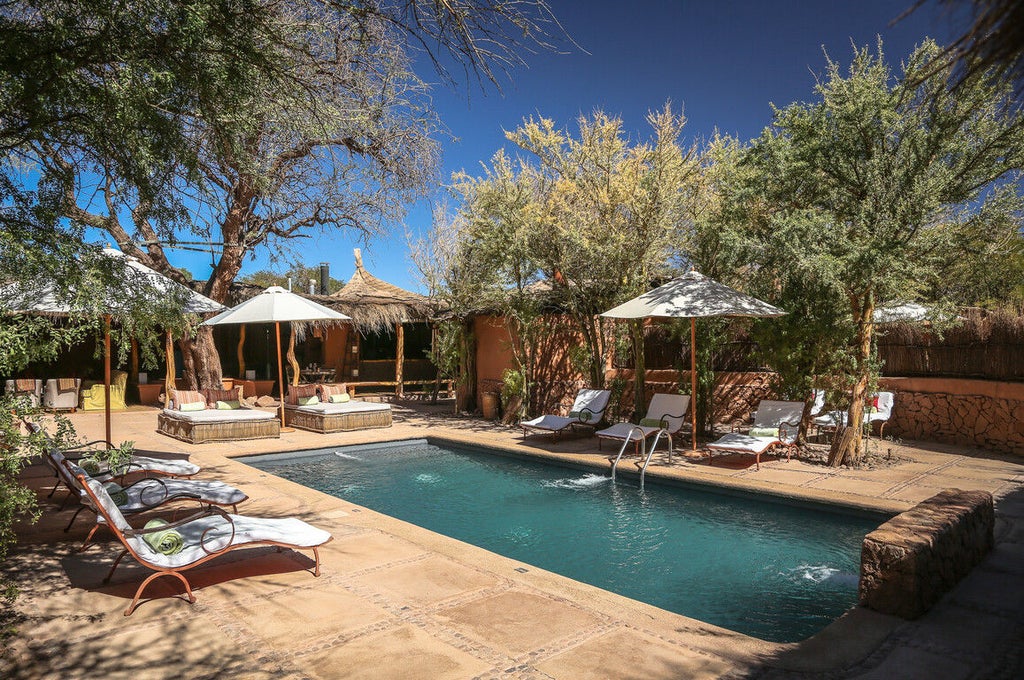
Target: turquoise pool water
{"x":774,"y":571}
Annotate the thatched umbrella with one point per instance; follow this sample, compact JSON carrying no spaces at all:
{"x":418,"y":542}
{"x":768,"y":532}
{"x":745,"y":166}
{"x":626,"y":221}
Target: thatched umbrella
{"x":377,"y":306}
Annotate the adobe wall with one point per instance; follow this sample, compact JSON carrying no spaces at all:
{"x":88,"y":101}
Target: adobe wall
{"x":909,"y":562}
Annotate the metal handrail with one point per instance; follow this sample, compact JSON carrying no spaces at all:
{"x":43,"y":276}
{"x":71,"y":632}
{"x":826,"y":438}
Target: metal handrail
{"x":654,"y":445}
{"x":627,"y":442}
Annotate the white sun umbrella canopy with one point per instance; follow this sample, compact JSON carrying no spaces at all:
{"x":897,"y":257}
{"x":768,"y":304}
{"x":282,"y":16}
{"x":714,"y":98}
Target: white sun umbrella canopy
{"x":43,"y":298}
{"x":692,"y":296}
{"x":275,"y":305}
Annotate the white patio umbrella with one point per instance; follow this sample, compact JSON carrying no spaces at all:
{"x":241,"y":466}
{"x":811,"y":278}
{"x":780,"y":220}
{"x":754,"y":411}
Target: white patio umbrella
{"x":43,"y":299}
{"x":689,"y":297}
{"x":275,"y":305}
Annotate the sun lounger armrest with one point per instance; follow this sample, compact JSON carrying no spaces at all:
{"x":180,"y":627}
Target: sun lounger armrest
{"x":147,"y":498}
{"x":590,"y":415}
{"x":206,"y":512}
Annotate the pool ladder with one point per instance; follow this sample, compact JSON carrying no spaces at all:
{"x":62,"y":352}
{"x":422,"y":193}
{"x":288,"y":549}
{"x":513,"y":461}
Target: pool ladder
{"x":646,"y":455}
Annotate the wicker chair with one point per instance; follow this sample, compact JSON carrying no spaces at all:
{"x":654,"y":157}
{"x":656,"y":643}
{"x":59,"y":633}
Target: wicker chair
{"x":61,"y":394}
{"x":25,"y":387}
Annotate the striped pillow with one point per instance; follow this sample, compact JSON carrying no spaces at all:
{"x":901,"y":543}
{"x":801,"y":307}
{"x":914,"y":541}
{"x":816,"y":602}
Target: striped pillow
{"x":296,"y":391}
{"x":327,"y":389}
{"x":213,"y":396}
{"x":179,"y":397}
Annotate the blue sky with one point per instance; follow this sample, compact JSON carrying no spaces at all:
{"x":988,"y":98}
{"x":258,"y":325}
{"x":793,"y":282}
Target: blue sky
{"x":724,"y":62}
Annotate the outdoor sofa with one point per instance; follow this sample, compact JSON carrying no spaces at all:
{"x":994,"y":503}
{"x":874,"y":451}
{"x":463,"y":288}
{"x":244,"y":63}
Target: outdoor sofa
{"x":328,"y":408}
{"x":214,"y":416}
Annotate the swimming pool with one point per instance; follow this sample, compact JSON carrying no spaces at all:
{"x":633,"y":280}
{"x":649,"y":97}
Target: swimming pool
{"x":774,"y":571}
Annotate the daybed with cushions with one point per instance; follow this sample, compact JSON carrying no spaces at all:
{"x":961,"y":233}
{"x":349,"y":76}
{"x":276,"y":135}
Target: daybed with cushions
{"x":329,"y":408}
{"x":214,"y":416}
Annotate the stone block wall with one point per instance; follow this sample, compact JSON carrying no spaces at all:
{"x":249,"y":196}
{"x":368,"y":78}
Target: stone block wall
{"x":909,"y":562}
{"x":979,"y":413}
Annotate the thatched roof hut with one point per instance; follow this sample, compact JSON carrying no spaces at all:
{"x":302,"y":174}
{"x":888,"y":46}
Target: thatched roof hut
{"x":375,"y":305}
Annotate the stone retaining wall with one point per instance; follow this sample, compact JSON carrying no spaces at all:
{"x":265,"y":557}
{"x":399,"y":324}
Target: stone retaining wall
{"x":909,"y":562}
{"x":966,"y":412}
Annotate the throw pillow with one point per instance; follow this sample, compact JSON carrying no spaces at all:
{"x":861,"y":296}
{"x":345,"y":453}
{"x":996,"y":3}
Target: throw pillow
{"x":213,"y":396}
{"x":295,"y":392}
{"x":330,"y":389}
{"x":308,"y":401}
{"x":228,"y":405}
{"x":193,"y":406}
{"x":764,"y":432}
{"x":339,"y":398}
{"x":179,"y":397}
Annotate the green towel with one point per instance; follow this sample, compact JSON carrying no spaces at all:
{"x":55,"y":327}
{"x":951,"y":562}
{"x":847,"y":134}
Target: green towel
{"x":582,"y":416}
{"x":651,"y":422}
{"x":167,"y":542}
{"x":117,"y":494}
{"x":90,"y":465}
{"x":764,"y":432}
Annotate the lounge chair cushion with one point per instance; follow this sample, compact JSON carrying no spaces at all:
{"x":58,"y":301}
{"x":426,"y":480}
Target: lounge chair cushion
{"x":549,"y":422}
{"x":623,"y":430}
{"x":744,"y":443}
{"x":353,"y":406}
{"x":218,"y":416}
{"x":148,"y":492}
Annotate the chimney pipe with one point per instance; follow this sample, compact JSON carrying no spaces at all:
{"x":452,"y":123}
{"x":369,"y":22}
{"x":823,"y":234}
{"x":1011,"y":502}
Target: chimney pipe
{"x":325,"y":277}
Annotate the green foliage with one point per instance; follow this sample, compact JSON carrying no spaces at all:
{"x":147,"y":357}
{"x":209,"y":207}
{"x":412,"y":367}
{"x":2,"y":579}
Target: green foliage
{"x":864,"y":197}
{"x":17,"y":446}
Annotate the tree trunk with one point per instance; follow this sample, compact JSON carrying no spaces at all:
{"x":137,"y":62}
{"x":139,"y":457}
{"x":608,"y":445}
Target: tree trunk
{"x":290,"y":356}
{"x":840,"y":445}
{"x":639,"y":371}
{"x":852,"y":449}
{"x":200,"y":362}
{"x":466,"y":386}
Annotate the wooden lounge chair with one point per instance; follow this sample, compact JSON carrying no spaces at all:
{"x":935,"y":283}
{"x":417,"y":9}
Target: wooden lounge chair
{"x":145,"y":494}
{"x":204,"y":535}
{"x":666,"y":413}
{"x":776,"y":424}
{"x":586,"y":411}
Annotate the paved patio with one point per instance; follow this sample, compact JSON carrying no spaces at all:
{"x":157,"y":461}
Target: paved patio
{"x":397,"y":601}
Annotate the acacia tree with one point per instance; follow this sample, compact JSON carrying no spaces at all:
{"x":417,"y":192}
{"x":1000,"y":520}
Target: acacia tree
{"x":590,"y":215}
{"x":315,"y":121}
{"x":861,"y":194}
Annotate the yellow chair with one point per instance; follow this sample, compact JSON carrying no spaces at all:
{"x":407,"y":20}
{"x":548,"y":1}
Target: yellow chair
{"x":93,"y":397}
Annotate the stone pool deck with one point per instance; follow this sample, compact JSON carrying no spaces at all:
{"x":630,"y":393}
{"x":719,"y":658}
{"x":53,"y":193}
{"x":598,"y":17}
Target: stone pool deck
{"x":397,"y":601}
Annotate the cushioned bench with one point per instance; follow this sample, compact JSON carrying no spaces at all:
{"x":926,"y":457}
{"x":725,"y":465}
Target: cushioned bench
{"x":210,"y":425}
{"x":343,"y":417}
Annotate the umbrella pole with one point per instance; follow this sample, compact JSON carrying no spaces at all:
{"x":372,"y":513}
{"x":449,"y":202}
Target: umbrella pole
{"x":693,"y":381}
{"x":280,"y":374}
{"x":106,"y":376}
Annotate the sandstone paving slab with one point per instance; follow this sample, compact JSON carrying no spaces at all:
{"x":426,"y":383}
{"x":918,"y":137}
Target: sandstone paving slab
{"x":425,"y":582}
{"x":991,"y":592}
{"x":911,"y":663}
{"x":369,"y":549}
{"x":318,"y":612}
{"x":915,"y":493}
{"x":965,"y":633}
{"x":192,"y":647}
{"x":507,"y":621}
{"x":625,"y":654}
{"x":844,"y":484}
{"x":785,"y":475}
{"x":398,"y":653}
